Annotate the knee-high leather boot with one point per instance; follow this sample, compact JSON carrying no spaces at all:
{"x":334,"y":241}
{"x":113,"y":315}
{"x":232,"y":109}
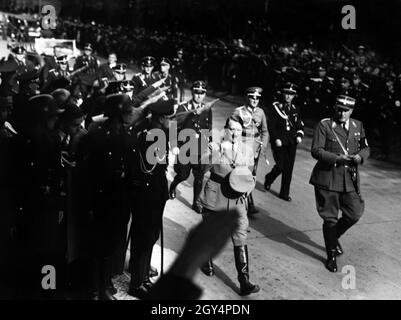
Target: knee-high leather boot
{"x":242,"y":265}
{"x":330,"y":240}
{"x":104,"y":279}
{"x":198,"y":183}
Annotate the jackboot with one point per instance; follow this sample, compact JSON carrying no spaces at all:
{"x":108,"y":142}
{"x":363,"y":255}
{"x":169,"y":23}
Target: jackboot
{"x":208,"y":268}
{"x":242,"y":265}
{"x":196,"y":206}
{"x":330,"y":240}
{"x":172,"y":193}
{"x":343,"y":224}
{"x":104,"y":280}
{"x":109,"y":283}
{"x":251,"y":206}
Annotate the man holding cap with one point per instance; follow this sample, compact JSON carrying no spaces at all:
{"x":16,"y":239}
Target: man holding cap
{"x":255,"y":133}
{"x":229,"y":184}
{"x":340,"y":146}
{"x":286,"y":132}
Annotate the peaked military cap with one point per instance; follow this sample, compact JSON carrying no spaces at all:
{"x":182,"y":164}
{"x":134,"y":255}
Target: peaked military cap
{"x":238,"y":182}
{"x":290,"y":88}
{"x":18,"y":50}
{"x":62,"y":59}
{"x":344,"y":101}
{"x":88,"y":46}
{"x":199,"y":86}
{"x":148,"y":61}
{"x":43,"y":105}
{"x":165,"y":61}
{"x":254,"y":91}
{"x":120,"y":68}
{"x":127,"y":85}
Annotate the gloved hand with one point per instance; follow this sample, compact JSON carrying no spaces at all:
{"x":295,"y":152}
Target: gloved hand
{"x":343,"y":159}
{"x":357,"y":159}
{"x":278,"y":143}
{"x":299,"y":140}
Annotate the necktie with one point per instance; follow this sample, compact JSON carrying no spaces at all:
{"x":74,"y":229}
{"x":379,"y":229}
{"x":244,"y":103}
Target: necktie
{"x":344,"y":127}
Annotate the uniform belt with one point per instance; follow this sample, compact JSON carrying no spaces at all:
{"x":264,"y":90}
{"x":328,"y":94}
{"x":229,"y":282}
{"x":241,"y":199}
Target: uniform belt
{"x":256,"y":135}
{"x":216,"y":178}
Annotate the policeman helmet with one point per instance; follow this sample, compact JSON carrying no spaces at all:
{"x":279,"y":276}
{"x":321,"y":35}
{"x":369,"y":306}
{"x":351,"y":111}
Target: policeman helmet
{"x":199,"y":87}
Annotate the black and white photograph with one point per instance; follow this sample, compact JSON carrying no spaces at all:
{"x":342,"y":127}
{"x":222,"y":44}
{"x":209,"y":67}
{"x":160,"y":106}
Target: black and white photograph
{"x":180,"y":151}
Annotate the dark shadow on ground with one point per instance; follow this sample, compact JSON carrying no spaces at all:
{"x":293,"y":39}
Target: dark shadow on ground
{"x":278,"y":231}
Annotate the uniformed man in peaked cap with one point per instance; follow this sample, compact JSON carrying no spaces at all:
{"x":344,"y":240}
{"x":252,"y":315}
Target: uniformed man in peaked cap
{"x":254,"y":133}
{"x":146,"y":78}
{"x":339,"y":145}
{"x":196,"y":121}
{"x":149,"y":184}
{"x":286,"y":132}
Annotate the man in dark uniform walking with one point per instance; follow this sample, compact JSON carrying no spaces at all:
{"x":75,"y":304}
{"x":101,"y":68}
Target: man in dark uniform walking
{"x":149,"y":185}
{"x":170,"y":81}
{"x":286,"y":132}
{"x":197,"y":121}
{"x":87,"y":78}
{"x":339,"y":144}
{"x":179,"y":72}
{"x":146,"y":78}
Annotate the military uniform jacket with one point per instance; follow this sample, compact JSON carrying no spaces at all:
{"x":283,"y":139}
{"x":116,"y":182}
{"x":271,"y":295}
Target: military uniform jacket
{"x":142,"y":81}
{"x":254,"y":123}
{"x":106,"y":72}
{"x":145,"y":174}
{"x":197,"y":122}
{"x":171,"y":82}
{"x":223,"y":158}
{"x":89,"y":75}
{"x":103,"y":158}
{"x":325,"y":148}
{"x":285,"y":123}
